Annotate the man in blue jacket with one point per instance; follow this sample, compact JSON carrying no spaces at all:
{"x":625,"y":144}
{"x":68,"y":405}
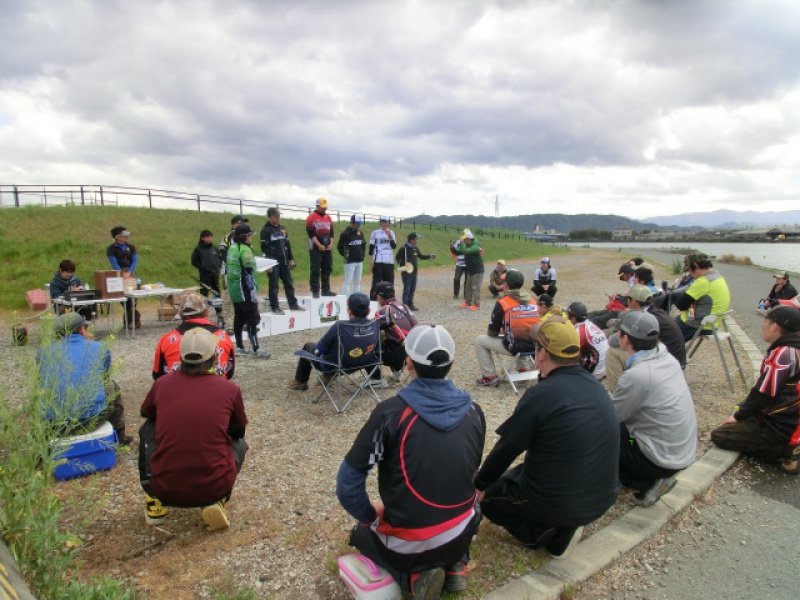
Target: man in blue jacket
{"x":421,"y":528}
{"x":74,"y":377}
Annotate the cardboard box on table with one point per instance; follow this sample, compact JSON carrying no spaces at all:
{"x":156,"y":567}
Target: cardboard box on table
{"x":109,"y":284}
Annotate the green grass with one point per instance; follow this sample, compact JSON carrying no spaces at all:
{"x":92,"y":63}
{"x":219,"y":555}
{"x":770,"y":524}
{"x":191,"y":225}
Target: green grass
{"x":35,"y":239}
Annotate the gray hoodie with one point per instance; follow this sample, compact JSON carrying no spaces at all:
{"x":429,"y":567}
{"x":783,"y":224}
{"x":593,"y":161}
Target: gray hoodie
{"x":654,"y":402}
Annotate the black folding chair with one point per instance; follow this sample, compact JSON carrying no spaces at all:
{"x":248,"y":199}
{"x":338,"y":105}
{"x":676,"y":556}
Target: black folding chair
{"x":358,"y":360}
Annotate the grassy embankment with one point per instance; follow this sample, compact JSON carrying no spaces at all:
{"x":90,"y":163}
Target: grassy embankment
{"x":36,"y":239}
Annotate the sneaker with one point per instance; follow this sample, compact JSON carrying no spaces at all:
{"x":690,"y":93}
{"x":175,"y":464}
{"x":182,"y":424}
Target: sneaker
{"x":378,"y":384}
{"x":242,"y":350}
{"x":465,"y":305}
{"x":315,"y":294}
{"x":300,"y":386}
{"x":427,"y":585}
{"x":329,"y":293}
{"x":487,"y":381}
{"x":455,"y":577}
{"x":562,"y":543}
{"x":396,"y":376}
{"x":262,"y":354}
{"x":125,"y":440}
{"x":214,"y":516}
{"x":474,"y":307}
{"x":651,"y":496}
{"x":413,"y":307}
{"x":792,"y":464}
{"x":277,"y":311}
{"x":297,"y":308}
{"x":154,"y":511}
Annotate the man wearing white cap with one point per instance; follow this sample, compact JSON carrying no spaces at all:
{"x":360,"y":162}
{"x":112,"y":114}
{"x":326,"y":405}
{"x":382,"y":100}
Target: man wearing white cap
{"x":382,"y":244}
{"x":353,"y":247}
{"x":421,"y":528}
{"x":192,"y":445}
{"x":319,"y":228}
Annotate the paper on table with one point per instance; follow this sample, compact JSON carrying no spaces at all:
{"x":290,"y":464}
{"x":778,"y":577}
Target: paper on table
{"x":262,"y":264}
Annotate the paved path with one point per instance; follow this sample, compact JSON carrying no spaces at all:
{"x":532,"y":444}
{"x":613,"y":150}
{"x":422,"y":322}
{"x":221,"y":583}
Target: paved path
{"x":743,"y":542}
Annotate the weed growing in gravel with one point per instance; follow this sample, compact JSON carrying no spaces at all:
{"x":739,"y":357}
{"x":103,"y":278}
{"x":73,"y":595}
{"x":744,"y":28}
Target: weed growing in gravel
{"x":29,"y":507}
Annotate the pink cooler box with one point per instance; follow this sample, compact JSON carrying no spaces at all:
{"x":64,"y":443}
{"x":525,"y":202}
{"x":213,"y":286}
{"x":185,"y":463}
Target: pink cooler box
{"x":366,"y":580}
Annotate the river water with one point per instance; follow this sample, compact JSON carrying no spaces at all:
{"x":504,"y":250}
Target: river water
{"x":775,"y":256}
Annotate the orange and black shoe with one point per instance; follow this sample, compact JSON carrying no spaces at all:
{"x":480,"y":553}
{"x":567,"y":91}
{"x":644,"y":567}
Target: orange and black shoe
{"x":455,"y":577}
{"x":427,"y":585}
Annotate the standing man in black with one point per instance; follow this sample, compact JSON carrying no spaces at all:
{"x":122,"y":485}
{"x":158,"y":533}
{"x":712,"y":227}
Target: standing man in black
{"x":275,"y":245}
{"x":208,"y":262}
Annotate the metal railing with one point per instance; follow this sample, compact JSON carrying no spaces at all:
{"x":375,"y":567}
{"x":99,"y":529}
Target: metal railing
{"x":111,"y":195}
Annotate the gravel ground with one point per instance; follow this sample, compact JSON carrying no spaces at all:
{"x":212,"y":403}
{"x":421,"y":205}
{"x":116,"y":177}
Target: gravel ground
{"x":287,"y":526}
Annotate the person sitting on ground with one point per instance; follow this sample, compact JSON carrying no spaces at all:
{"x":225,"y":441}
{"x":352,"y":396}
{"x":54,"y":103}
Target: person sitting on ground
{"x":124,"y":258}
{"x":496,"y":278}
{"x":645,"y":275}
{"x":207,"y":259}
{"x":594,"y":344}
{"x":473,"y":259}
{"x":354,"y":342}
{"x":396,"y":321}
{"x":544,"y":280}
{"x":707,"y":295}
{"x":669,"y":334}
{"x":191,"y":447}
{"x":616,"y":302}
{"x":767,"y":423}
{"x":421,"y":528}
{"x":548,"y":308}
{"x":657,"y":423}
{"x":567,"y":428}
{"x":509,"y":327}
{"x":74,"y":377}
{"x":243,"y":289}
{"x":408,"y":255}
{"x":193,"y":313}
{"x":64,"y":280}
{"x":782,"y":290}
{"x":636,"y":261}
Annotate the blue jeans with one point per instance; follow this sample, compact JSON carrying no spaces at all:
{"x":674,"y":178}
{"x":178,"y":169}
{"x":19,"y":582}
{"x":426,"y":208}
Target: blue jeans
{"x":352,"y":273}
{"x":409,"y":287}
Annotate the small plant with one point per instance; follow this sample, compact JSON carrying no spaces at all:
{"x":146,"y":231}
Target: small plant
{"x":677,"y":265}
{"x":732,"y":259}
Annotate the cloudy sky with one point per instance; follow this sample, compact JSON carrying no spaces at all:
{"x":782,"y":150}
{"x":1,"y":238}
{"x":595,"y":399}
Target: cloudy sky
{"x":640,"y":108}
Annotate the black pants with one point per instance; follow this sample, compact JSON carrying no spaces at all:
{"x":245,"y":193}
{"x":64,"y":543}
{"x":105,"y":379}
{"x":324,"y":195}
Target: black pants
{"x":539,"y":290}
{"x":304,"y":366}
{"x":602,"y":317}
{"x":636,"y":471}
{"x":381,"y":272}
{"x":752,"y":436}
{"x":212,"y":281}
{"x":460,"y":272}
{"x":245,"y":314}
{"x":494,"y":291}
{"x":147,"y":445}
{"x":506,"y":504}
{"x":393,"y":355}
{"x":321,"y":267}
{"x":282,"y":273}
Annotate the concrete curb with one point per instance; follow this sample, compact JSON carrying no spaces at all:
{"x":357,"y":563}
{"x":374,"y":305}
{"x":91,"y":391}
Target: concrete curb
{"x":633,"y":528}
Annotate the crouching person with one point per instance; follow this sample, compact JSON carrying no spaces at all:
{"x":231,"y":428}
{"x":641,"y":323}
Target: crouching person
{"x":421,"y":528}
{"x":192,"y":444}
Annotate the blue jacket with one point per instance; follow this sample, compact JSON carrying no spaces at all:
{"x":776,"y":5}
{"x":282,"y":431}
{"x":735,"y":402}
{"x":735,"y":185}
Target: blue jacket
{"x":73,"y":373}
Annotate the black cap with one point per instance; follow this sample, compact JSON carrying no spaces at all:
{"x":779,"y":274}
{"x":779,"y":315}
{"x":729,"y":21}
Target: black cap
{"x":577,"y":310}
{"x":546,"y":299}
{"x":273,"y":212}
{"x":243,"y":229}
{"x":788,"y":317}
{"x":625,"y":269}
{"x":239,"y":219}
{"x":384,"y":289}
{"x":358,"y":304}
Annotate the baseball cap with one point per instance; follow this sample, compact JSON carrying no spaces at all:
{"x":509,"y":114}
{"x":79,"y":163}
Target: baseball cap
{"x":243,"y":229}
{"x":413,"y":236}
{"x":501,"y":262}
{"x":68,"y":323}
{"x":469,"y":236}
{"x":546,"y":299}
{"x":238,"y":219}
{"x":385,"y":219}
{"x":358,"y":304}
{"x":640,"y":293}
{"x":558,"y":337}
{"x":546,"y":259}
{"x":192,"y":305}
{"x":119,"y":230}
{"x":640,"y":325}
{"x":384,"y":289}
{"x":322,"y":203}
{"x":577,"y":310}
{"x":692,"y":259}
{"x":787,"y":317}
{"x":625,"y":269}
{"x":198,"y":345}
{"x":515,"y":279}
{"x":273,"y":212}
{"x":427,"y":338}
{"x":357,"y":219}
{"x":783,"y":275}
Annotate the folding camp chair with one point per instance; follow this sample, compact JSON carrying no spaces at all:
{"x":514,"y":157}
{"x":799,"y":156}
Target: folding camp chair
{"x":719,"y":335}
{"x":358,"y":360}
{"x":527,"y":373}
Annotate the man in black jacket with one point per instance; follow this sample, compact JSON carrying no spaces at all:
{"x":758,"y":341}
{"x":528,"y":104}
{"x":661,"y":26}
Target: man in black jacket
{"x":275,"y":245}
{"x":208,"y":262}
{"x":353,"y":247}
{"x":406,"y":259}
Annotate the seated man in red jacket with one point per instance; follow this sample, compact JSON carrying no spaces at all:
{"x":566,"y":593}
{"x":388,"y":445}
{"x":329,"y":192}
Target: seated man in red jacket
{"x":192,"y":446}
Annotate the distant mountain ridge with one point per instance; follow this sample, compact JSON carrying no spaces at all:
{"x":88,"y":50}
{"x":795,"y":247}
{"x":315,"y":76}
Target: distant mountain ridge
{"x":527,"y":223}
{"x":729,"y":219}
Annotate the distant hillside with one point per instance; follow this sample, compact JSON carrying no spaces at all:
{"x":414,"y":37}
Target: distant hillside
{"x":527,"y":223}
{"x":729,"y":219}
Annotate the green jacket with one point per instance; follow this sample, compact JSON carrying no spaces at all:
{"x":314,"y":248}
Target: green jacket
{"x":473,"y":255}
{"x":241,"y":273}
